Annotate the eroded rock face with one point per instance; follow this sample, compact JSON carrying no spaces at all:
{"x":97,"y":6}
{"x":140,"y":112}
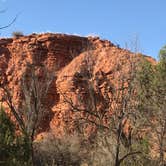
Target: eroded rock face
{"x":65,"y":56}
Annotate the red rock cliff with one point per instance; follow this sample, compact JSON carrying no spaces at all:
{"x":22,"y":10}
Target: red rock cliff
{"x":65,"y":55}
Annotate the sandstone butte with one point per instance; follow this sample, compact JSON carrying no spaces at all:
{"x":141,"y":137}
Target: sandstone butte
{"x":64,"y":55}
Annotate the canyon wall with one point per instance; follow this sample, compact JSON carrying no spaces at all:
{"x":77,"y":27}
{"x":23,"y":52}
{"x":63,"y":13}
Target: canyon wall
{"x":65,"y":56}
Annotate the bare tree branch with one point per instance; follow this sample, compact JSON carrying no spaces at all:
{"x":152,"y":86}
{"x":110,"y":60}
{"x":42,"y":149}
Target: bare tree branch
{"x":12,"y":22}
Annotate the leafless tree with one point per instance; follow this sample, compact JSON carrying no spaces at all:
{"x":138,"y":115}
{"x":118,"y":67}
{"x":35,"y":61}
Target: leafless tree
{"x":35,"y":83}
{"x":124,"y":121}
{"x":107,"y":106}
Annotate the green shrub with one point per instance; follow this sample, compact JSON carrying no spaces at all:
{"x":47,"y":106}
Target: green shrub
{"x":17,"y":34}
{"x":54,"y":151}
{"x":7,"y":137}
{"x":13,"y":148}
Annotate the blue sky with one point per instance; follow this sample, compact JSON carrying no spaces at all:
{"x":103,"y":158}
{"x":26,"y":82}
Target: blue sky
{"x":121,"y":21}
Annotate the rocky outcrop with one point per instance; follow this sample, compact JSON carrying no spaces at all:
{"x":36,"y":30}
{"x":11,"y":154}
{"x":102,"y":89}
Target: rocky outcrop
{"x":65,"y":56}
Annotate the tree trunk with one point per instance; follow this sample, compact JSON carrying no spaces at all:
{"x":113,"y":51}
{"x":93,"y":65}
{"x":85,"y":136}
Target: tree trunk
{"x":32,"y":154}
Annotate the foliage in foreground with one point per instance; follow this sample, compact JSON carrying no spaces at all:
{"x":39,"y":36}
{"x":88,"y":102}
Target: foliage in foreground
{"x":13,"y":148}
{"x":153,"y":103}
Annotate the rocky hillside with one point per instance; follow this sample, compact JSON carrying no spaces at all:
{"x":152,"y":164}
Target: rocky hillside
{"x":65,"y":56}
